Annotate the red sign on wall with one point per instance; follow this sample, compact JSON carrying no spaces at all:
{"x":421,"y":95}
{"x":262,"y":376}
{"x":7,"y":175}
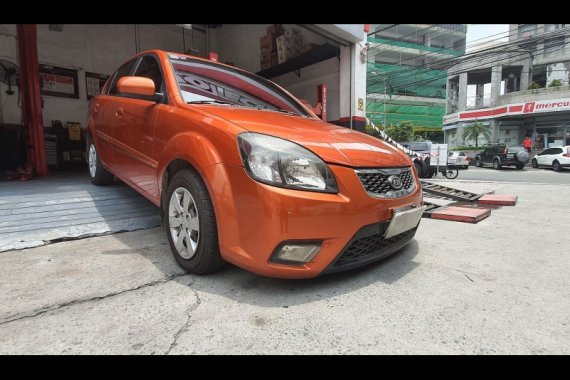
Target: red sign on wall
{"x":528,"y":107}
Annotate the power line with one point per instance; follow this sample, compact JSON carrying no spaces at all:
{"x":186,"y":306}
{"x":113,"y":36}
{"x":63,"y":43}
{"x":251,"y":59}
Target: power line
{"x":470,"y":68}
{"x":466,"y":71}
{"x":480,"y":53}
{"x":491,"y":49}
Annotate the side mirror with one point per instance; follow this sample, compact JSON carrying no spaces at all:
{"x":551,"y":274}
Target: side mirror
{"x":141,"y":86}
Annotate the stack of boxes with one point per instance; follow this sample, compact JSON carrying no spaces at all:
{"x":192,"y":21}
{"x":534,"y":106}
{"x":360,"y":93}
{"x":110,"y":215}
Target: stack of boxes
{"x":279,"y":45}
{"x":268,"y":45}
{"x":289,"y":45}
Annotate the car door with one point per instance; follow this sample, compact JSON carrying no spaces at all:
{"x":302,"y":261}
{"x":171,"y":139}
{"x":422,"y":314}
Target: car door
{"x":554,"y":154}
{"x":542,"y":157}
{"x":134,"y":131}
{"x":488,"y":154}
{"x":102,"y":110}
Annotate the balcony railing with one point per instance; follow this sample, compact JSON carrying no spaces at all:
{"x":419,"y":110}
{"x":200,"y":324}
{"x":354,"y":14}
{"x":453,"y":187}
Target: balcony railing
{"x":461,"y":28}
{"x":536,"y":94}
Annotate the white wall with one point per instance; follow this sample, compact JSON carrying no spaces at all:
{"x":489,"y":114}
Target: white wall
{"x":305,"y":87}
{"x":94,"y":48}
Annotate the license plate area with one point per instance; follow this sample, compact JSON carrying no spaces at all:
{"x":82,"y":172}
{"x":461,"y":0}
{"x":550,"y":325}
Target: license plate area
{"x":404,"y":219}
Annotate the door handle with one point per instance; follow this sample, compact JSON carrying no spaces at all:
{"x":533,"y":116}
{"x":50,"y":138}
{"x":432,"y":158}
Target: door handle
{"x":119,"y":112}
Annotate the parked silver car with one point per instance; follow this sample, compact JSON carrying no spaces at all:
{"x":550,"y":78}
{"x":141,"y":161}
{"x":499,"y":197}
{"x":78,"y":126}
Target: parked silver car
{"x":457,"y":159}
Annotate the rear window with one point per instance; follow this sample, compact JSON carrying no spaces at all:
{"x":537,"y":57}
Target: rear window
{"x":516,"y":149}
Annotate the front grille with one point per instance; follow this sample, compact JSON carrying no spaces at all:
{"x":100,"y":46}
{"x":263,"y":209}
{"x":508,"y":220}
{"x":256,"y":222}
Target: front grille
{"x":370,"y":248}
{"x":376,"y":182}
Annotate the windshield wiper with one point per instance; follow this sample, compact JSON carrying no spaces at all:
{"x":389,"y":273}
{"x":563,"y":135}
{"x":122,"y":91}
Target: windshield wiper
{"x":208,"y":102}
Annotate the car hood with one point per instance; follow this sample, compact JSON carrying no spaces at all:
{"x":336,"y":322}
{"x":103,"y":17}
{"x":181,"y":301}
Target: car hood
{"x":334,"y":144}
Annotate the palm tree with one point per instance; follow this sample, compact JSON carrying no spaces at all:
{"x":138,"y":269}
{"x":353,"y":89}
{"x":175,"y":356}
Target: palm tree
{"x":474,"y":130}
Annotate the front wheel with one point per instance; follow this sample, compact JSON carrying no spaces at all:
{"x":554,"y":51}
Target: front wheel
{"x":496,"y":164}
{"x":191,"y":224}
{"x":478,"y":162}
{"x":556,"y":166}
{"x":520,"y":166}
{"x":99,"y":175}
{"x":451,"y":173}
{"x":535,"y":163}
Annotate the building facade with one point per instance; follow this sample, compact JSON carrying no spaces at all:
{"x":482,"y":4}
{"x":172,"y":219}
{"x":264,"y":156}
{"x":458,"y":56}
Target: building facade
{"x":406,"y":74}
{"x":520,"y":88}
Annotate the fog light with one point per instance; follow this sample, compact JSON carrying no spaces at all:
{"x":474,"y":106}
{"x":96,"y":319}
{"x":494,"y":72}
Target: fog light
{"x":299,"y":253}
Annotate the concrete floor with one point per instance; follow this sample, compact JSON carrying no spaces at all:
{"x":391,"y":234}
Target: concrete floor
{"x":66,"y":205}
{"x":498,"y":287}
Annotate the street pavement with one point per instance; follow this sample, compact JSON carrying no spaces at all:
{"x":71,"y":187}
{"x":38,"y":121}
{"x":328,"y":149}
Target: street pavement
{"x":507,"y":174}
{"x":497,"y":287}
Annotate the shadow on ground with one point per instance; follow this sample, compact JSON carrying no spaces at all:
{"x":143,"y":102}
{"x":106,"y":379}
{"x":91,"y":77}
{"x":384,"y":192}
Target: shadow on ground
{"x":241,"y":286}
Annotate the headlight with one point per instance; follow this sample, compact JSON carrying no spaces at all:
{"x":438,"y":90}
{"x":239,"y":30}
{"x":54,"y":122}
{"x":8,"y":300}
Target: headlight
{"x":282,"y":163}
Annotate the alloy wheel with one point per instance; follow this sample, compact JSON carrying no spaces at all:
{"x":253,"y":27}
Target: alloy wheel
{"x":184,"y":222}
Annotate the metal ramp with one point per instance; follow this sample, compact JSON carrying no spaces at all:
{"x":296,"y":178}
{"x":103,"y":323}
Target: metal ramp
{"x":448,"y":203}
{"x":445,"y":192}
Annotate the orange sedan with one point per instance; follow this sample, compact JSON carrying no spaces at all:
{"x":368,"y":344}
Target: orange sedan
{"x":243,"y":172}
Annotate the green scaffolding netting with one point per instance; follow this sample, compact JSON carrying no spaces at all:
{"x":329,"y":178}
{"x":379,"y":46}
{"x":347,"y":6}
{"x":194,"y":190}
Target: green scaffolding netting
{"x":394,"y":80}
{"x":423,"y":117}
{"x":415,"y":46}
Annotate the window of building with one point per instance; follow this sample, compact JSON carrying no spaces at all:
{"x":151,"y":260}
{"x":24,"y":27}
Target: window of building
{"x":553,"y":46}
{"x":527,"y":30}
{"x":551,"y":27}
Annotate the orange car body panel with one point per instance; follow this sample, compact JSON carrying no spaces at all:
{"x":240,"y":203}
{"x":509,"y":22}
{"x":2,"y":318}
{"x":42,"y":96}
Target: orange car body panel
{"x":138,"y":139}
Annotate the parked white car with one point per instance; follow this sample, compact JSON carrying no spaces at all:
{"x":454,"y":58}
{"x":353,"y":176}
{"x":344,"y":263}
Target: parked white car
{"x":457,"y":159}
{"x":556,"y":158}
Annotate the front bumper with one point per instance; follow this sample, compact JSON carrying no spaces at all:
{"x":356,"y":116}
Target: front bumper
{"x":254,"y":219}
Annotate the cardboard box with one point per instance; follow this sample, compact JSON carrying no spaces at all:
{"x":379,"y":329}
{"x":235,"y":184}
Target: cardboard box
{"x":286,"y":49}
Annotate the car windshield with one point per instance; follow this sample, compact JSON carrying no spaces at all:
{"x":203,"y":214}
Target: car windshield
{"x":203,"y":82}
{"x":516,"y":149}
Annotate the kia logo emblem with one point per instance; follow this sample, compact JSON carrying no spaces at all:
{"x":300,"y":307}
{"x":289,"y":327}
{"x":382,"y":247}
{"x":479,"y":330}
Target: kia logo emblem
{"x":395,"y":181}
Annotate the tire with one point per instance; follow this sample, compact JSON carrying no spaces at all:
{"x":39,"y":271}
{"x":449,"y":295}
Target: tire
{"x":451,"y":173}
{"x":419,"y":170}
{"x":534,"y":163}
{"x":98,"y":174}
{"x":430,"y":174}
{"x":478,"y":162}
{"x":197,"y":230}
{"x":520,"y":166}
{"x":496,"y":164}
{"x":556,"y":166}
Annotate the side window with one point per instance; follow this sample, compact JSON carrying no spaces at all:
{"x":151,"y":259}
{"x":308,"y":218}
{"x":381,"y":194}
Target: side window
{"x":123,"y":71}
{"x":461,"y":154}
{"x":149,"y":68}
{"x":545,"y":152}
{"x":556,"y":150}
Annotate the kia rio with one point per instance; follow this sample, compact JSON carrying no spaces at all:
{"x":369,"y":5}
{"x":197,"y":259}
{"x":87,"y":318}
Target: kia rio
{"x":245,"y":173}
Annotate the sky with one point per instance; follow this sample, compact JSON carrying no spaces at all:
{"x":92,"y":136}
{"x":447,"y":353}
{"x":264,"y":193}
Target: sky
{"x":478,"y":34}
{"x":481,"y":36}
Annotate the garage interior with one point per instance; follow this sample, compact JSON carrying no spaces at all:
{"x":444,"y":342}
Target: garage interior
{"x":74,"y":62}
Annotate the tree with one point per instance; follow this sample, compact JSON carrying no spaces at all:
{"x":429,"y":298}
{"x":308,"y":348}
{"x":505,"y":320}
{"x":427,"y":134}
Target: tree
{"x":401,"y":132}
{"x":474,"y":130}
